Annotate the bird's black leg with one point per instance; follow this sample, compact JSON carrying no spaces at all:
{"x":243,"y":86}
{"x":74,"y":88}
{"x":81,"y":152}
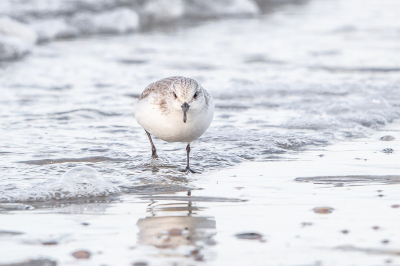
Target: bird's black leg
{"x":153,"y":148}
{"x":188,"y":170}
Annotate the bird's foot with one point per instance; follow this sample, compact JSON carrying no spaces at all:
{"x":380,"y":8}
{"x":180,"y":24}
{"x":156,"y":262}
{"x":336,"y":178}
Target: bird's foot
{"x":188,"y":171}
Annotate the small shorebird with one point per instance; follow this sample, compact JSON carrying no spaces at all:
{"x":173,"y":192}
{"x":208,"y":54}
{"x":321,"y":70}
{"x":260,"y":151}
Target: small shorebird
{"x":175,"y":109}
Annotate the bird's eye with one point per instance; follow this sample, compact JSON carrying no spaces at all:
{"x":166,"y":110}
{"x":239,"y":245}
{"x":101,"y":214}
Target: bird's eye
{"x":195,"y":95}
{"x":175,"y":95}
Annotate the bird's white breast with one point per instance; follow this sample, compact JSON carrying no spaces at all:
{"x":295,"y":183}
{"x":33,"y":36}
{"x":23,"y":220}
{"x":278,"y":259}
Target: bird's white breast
{"x":170,"y":126}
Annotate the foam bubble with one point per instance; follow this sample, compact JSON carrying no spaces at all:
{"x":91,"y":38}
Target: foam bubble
{"x":17,"y":29}
{"x":209,"y":8}
{"x":160,"y":11}
{"x":50,"y":29}
{"x":12,"y":48}
{"x":118,"y":21}
{"x":79,"y":182}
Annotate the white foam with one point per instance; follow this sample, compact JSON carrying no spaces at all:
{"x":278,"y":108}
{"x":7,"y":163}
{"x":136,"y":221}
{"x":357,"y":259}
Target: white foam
{"x":79,"y":182}
{"x":272,"y":141}
{"x":17,"y":29}
{"x":50,"y":29}
{"x":118,"y":21}
{"x":160,"y":11}
{"x":224,"y":8}
{"x":12,"y":47}
{"x":316,"y":122}
{"x":56,"y":19}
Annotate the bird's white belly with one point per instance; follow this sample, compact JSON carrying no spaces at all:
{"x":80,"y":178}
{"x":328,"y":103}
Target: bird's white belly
{"x":170,"y":127}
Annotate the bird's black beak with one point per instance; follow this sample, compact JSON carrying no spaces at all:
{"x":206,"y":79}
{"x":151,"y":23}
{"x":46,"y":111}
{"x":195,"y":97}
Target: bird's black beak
{"x":185,"y":108}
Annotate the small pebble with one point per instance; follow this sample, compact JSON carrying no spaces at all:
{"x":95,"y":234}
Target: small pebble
{"x":139,"y":263}
{"x":250,"y":236}
{"x":49,"y":243}
{"x":375,"y":227}
{"x":323,"y":210}
{"x":388,"y":150}
{"x":396,"y":206}
{"x":196,"y":254}
{"x":385,"y":241}
{"x":387,"y":138}
{"x":81,"y":254}
{"x":175,"y":232}
{"x":381,"y":195}
{"x":85,"y":223}
{"x":345,"y":231}
{"x":304,"y":224}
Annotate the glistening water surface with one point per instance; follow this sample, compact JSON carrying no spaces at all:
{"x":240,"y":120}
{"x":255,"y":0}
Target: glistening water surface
{"x":299,"y":93}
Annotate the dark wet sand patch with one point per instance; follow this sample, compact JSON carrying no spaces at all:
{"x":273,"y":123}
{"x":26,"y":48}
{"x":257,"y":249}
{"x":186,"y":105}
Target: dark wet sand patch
{"x":250,"y":236}
{"x":186,"y":198}
{"x":14,"y":207}
{"x":358,"y":69}
{"x":189,"y":208}
{"x":140,"y":263}
{"x":33,"y":262}
{"x":150,"y":189}
{"x":87,"y":110}
{"x":351,"y":180}
{"x":9,"y":233}
{"x":63,"y":203}
{"x":370,"y":250}
{"x":132,"y":61}
{"x":92,"y":159}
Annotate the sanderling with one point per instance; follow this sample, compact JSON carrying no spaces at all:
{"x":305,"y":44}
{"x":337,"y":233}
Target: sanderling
{"x":175,"y":109}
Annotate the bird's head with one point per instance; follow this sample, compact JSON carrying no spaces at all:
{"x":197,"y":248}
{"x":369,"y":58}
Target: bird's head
{"x":187,"y":96}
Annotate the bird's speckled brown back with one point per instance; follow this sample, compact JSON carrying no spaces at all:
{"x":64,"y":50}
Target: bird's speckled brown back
{"x":163,"y":85}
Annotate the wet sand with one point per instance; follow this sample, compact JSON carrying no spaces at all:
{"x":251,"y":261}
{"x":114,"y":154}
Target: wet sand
{"x":282,"y":221}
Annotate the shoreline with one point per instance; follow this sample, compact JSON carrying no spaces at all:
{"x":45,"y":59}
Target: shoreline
{"x":281,"y":211}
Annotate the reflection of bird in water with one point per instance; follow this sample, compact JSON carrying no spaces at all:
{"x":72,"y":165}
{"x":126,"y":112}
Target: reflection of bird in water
{"x":169,"y":232}
{"x":175,"y":109}
{"x":173,"y":231}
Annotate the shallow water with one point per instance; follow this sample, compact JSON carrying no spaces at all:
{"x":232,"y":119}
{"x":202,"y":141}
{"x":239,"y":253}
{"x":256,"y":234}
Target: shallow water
{"x":300,"y":110}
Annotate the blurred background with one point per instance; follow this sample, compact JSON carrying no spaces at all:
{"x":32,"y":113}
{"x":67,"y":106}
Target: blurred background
{"x":31,"y":22}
